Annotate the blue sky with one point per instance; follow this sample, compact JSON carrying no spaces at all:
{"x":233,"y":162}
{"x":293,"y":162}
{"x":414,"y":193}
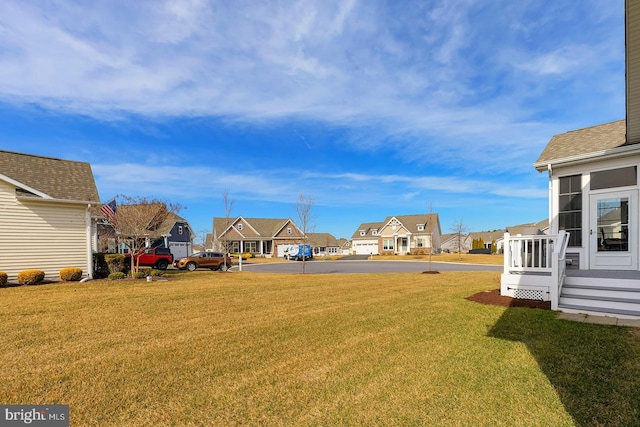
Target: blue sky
{"x":372,"y":108}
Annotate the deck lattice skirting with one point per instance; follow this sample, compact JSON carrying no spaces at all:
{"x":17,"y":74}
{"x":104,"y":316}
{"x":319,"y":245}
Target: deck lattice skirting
{"x":534,"y":267}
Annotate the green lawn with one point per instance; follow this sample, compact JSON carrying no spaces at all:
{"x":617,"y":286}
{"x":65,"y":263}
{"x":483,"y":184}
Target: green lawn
{"x":256,"y":349}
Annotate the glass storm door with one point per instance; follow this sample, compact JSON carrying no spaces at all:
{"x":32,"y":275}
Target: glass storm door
{"x":612,"y":231}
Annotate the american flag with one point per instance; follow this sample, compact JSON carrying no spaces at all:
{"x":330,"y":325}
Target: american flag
{"x":109,"y":210}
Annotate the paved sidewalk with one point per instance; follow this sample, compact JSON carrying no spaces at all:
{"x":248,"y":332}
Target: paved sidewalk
{"x":600,"y":320}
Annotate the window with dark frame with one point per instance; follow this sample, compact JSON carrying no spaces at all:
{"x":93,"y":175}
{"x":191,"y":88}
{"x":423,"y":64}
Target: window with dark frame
{"x":570,"y":208}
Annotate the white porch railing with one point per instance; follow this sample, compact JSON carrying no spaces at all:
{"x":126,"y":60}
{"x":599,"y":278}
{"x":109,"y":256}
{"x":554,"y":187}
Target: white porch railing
{"x":534,"y":266}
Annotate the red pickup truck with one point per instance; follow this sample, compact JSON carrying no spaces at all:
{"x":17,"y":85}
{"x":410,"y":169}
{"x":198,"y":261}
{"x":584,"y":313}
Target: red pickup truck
{"x":159,"y":258}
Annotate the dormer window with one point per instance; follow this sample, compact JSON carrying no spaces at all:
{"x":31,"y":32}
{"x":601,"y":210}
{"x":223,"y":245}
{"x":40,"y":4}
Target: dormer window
{"x":420,"y":227}
{"x":374,"y":232}
{"x":363,"y":233}
{"x":240,"y":227}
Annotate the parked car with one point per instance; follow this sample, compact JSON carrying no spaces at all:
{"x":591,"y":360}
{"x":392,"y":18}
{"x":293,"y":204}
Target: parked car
{"x":297,"y":252}
{"x":212,"y":260}
{"x":159,"y":258}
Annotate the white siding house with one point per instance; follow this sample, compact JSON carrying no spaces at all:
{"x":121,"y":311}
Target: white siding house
{"x":45,"y":215}
{"x":590,"y":261}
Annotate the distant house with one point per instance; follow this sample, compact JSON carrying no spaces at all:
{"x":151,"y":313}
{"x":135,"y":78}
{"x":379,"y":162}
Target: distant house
{"x":488,"y":238}
{"x":453,"y":242}
{"x":325,"y":244}
{"x":177,"y":235}
{"x":398,"y":235}
{"x":345,"y":246}
{"x":46,"y":207}
{"x":175,"y":232}
{"x":259,"y":236}
{"x":364,"y":240}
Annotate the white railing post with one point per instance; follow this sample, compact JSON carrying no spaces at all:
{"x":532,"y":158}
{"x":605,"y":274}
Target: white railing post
{"x":554,"y":287}
{"x":507,"y":252}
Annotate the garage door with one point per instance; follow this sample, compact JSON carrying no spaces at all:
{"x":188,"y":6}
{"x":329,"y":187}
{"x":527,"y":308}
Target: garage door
{"x":281,"y":249}
{"x":179,"y":249}
{"x":365,"y":248}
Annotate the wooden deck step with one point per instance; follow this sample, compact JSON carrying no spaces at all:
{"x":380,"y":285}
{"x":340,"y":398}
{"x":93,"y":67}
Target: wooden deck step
{"x":614,"y":312}
{"x":616,"y":297}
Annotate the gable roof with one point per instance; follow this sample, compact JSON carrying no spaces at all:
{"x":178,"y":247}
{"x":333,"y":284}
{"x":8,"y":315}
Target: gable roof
{"x":52,"y":178}
{"x":368,"y":228}
{"x":583,"y":143}
{"x":323,"y":239}
{"x":487,"y":236}
{"x":170,"y":221}
{"x":411,"y":222}
{"x":265,"y":227}
{"x":529,"y":229}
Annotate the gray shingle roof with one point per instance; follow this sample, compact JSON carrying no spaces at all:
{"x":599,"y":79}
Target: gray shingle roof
{"x":429,"y":221}
{"x":368,"y":228}
{"x":322,"y":239}
{"x":59,"y":179}
{"x":584,"y":141}
{"x":266,"y":227}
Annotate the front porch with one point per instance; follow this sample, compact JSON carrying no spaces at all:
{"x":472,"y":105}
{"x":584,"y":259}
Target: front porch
{"x":535,"y":268}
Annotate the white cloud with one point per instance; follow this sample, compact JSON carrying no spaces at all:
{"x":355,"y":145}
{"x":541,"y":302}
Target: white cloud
{"x":415,"y":71}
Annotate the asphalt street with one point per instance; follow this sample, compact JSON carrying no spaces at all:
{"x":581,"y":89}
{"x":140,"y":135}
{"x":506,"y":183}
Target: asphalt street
{"x":342,"y":267}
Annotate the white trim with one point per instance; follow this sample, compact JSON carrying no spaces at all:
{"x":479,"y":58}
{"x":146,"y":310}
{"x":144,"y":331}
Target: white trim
{"x":24,"y":187}
{"x":595,"y":156}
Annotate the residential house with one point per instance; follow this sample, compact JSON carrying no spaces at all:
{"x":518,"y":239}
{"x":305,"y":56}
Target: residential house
{"x":325,"y":244}
{"x":454,"y":242}
{"x":364,"y":240}
{"x":175,"y":233}
{"x":345,"y":246}
{"x":46,"y":207}
{"x":533,"y":228}
{"x":593,"y":199}
{"x":260,"y":236}
{"x":398,"y":235}
{"x":488,"y":238}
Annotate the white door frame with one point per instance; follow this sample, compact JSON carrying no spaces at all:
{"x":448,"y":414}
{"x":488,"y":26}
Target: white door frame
{"x":601,"y":259}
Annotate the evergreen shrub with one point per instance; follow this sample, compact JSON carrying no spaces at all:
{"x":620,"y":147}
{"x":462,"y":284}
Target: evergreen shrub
{"x":71,"y":274}
{"x":30,"y":277}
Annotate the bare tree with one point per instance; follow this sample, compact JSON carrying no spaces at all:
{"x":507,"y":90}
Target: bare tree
{"x":430,"y":226}
{"x":202,"y":237}
{"x":461,"y":231}
{"x":228,"y":206}
{"x":137,"y":223}
{"x":305,"y":218}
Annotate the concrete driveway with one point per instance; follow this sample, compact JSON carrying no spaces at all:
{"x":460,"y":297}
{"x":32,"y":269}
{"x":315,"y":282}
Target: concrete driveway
{"x":342,"y":266}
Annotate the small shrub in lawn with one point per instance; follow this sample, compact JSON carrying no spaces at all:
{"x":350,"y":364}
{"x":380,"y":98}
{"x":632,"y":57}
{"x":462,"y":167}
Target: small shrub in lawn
{"x":71,"y":274}
{"x":156,"y":273}
{"x":118,"y":275}
{"x":30,"y":277}
{"x":139,"y":275}
{"x":3,"y":278}
{"x":116,"y":262}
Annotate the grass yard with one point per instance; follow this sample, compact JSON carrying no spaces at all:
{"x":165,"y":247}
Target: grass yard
{"x":260,"y":349}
